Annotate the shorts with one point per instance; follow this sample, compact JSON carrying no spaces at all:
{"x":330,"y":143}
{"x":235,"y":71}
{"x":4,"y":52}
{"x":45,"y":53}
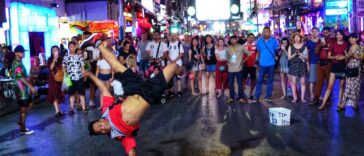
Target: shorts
{"x":151,"y":90}
{"x":210,"y":67}
{"x":77,"y":86}
{"x":251,"y":71}
{"x":284,"y":70}
{"x":25,"y":102}
{"x":313,"y":73}
{"x":338,"y":67}
{"x":104,"y":77}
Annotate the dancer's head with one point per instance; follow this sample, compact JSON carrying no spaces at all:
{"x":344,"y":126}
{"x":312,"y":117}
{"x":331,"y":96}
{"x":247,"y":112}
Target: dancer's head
{"x":99,"y":127}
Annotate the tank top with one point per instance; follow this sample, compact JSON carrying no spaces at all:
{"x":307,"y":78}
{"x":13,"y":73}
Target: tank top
{"x":210,"y":57}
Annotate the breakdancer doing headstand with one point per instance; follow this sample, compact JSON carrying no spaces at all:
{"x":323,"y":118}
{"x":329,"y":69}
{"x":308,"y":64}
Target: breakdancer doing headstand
{"x":120,"y":121}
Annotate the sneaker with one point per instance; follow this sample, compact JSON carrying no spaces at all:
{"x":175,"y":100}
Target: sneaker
{"x":92,"y":104}
{"x":71,"y":112}
{"x":179,"y":94}
{"x":85,"y":111}
{"x":243,"y":101}
{"x":170,"y":94}
{"x":268,"y":99}
{"x":229,"y":101}
{"x":251,"y":97}
{"x":59,"y":114}
{"x":26,"y":132}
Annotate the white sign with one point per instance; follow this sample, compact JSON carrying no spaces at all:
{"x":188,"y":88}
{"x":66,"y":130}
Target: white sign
{"x":279,"y":116}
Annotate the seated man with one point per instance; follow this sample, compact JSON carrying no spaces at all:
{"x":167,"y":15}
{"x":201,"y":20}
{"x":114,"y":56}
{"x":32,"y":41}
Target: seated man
{"x":121,"y":120}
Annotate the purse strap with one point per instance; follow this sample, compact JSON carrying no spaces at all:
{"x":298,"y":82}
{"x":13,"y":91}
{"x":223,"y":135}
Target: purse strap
{"x":274,"y":57}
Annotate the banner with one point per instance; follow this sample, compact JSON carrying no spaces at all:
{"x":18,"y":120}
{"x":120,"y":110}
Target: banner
{"x":360,"y":7}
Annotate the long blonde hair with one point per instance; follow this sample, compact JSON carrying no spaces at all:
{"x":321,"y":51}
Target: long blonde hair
{"x":131,"y":61}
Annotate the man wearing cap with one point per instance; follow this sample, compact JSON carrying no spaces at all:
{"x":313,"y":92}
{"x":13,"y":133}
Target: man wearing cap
{"x":22,"y":89}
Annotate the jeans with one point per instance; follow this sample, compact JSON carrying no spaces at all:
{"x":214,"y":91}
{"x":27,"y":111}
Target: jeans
{"x":239,"y":78}
{"x":263,"y":70}
{"x":144,"y":65}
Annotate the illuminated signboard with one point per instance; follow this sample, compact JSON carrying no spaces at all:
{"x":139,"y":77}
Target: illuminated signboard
{"x":149,"y":4}
{"x":212,"y":9}
{"x":336,"y":7}
{"x":27,"y":18}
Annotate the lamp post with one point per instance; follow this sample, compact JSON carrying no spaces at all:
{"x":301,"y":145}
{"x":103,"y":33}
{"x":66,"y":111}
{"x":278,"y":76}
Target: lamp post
{"x":121,"y":19}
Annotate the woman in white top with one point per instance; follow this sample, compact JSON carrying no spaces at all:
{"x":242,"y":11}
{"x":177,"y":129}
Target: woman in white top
{"x":104,"y":73}
{"x":221,"y":67}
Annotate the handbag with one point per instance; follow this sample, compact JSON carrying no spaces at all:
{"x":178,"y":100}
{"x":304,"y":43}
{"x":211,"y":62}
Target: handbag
{"x":222,"y":68}
{"x":59,"y":75}
{"x":202,"y":66}
{"x":352,"y":72}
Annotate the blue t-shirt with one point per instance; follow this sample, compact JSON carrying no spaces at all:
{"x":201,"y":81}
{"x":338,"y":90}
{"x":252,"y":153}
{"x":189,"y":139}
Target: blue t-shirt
{"x":313,"y":58}
{"x":267,"y":56}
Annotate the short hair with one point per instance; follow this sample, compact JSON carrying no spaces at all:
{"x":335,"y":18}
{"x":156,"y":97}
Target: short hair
{"x":76,"y":37}
{"x":91,"y":128}
{"x":251,"y":34}
{"x":69,"y":43}
{"x":354,"y":35}
{"x":326,"y":28}
{"x":266,"y":27}
{"x":87,"y":33}
{"x":341,"y":32}
{"x":234,"y":37}
{"x":315,"y":28}
{"x":125,"y":43}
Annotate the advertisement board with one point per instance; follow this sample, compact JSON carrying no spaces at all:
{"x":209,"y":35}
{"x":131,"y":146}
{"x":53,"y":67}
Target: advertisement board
{"x":212,"y":10}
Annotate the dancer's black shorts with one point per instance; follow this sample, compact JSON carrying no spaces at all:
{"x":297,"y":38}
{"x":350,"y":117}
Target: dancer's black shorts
{"x":150,"y":90}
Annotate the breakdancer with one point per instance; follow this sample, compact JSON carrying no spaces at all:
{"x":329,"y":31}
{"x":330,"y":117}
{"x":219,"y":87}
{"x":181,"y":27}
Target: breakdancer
{"x":120,"y":121}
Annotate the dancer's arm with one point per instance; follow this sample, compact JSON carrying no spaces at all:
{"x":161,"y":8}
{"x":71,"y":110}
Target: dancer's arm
{"x":100,"y":85}
{"x":111,"y":59}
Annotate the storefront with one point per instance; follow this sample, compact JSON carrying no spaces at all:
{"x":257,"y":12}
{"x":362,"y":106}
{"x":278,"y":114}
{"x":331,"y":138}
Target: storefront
{"x":337,"y":13}
{"x":34,"y":27}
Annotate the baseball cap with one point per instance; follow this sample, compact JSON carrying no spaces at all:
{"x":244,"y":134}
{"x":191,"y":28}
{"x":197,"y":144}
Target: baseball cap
{"x":19,"y":48}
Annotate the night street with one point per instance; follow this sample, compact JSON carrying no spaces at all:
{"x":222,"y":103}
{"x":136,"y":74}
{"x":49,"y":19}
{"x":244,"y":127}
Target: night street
{"x":195,"y":126}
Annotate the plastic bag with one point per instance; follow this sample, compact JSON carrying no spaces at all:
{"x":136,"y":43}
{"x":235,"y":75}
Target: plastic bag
{"x":66,"y":82}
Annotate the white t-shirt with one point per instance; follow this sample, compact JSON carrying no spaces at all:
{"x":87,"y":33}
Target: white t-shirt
{"x":95,"y":53}
{"x":117,"y":87}
{"x":103,"y":64}
{"x":174,"y":51}
{"x":153,"y":47}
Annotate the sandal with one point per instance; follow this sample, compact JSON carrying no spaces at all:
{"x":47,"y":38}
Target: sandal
{"x":283,"y":97}
{"x":322,"y":107}
{"x":294,"y":100}
{"x":340,"y":108}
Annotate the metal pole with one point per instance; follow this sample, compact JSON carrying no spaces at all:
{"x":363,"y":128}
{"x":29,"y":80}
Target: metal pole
{"x":121,"y":19}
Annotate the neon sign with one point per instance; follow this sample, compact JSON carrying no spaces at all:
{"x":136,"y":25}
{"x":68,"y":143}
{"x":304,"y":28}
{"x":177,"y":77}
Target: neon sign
{"x":27,"y":18}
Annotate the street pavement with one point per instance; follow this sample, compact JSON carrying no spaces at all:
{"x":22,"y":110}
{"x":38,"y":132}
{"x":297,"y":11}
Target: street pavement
{"x":196,"y":126}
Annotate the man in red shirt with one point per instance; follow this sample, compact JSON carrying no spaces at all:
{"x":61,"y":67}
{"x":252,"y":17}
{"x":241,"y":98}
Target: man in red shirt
{"x":249,"y":66}
{"x":120,"y":120}
{"x":324,"y":64}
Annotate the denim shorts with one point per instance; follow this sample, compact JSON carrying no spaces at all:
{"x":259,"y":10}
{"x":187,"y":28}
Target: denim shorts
{"x":104,"y":77}
{"x":210,"y":67}
{"x":313,"y":73}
